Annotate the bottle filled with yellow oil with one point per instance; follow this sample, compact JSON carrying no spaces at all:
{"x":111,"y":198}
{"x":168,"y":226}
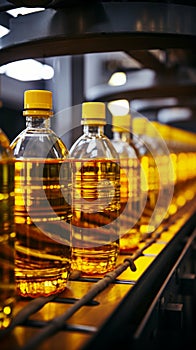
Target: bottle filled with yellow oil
{"x":181,"y":144}
{"x":148,"y":165}
{"x":157,"y":168}
{"x":7,"y":233}
{"x":187,"y":164}
{"x":96,"y":195}
{"x":132,"y":196}
{"x":42,"y":202}
{"x":171,"y":170}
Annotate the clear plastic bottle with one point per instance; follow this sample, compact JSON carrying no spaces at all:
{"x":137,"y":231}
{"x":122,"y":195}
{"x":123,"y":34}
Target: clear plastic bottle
{"x":188,"y":145}
{"x":170,"y":164}
{"x":7,"y":233}
{"x":96,"y":195}
{"x":42,"y":202}
{"x":157,"y":166}
{"x":147,"y":161}
{"x":181,"y":146}
{"x":182,"y":154}
{"x":131,"y":195}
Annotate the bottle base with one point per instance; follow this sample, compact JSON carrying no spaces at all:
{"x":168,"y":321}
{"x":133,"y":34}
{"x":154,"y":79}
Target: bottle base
{"x":92,"y":262}
{"x":130,"y":242}
{"x":34,"y":286}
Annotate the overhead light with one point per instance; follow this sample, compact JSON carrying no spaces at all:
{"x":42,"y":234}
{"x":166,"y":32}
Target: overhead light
{"x":3,"y":31}
{"x":167,"y":115}
{"x":15,"y":12}
{"x":118,"y":79}
{"x":118,"y":107}
{"x":27,"y":70}
{"x":24,"y":10}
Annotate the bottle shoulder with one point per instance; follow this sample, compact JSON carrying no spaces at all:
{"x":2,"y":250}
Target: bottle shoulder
{"x":124,"y":149}
{"x":141,"y":145}
{"x":38,"y":143}
{"x":150,"y":146}
{"x":97,"y":146}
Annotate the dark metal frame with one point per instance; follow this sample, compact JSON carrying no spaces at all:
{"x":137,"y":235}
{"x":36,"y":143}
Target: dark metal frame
{"x":99,"y":27}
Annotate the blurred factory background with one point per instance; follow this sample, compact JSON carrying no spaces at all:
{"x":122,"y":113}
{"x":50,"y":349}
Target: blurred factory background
{"x":159,"y":83}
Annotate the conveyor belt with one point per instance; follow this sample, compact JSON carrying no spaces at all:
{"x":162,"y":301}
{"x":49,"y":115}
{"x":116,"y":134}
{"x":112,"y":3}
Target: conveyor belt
{"x":92,"y":311}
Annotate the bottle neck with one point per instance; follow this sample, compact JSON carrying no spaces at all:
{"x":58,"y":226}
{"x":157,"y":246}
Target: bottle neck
{"x":93,"y":130}
{"x":121,"y":136}
{"x":37,"y":122}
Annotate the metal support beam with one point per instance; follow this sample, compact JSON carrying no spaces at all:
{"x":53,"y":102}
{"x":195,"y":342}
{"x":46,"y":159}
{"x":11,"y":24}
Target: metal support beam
{"x":99,"y":27}
{"x":148,"y":60}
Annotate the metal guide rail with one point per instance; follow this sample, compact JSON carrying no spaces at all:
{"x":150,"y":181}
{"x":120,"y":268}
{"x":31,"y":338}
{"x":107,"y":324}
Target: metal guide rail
{"x":98,"y":312}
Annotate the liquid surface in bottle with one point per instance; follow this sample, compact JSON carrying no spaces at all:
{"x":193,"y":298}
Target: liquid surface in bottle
{"x":96,"y":206}
{"x":42,"y":215}
{"x":7,"y":236}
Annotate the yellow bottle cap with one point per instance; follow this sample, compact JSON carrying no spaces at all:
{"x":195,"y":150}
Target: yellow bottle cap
{"x":121,"y":123}
{"x":151,"y":130}
{"x":93,"y":113}
{"x":37,"y":102}
{"x":162,"y":130}
{"x":139,"y":125}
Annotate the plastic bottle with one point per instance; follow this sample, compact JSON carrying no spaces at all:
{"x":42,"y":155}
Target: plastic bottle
{"x":163,"y":171}
{"x":131,"y":195}
{"x":171,"y":166}
{"x":156,"y":165}
{"x":96,"y":195}
{"x":7,"y":233}
{"x":187,"y":163}
{"x":141,"y":142}
{"x":42,"y":202}
{"x":181,"y":146}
